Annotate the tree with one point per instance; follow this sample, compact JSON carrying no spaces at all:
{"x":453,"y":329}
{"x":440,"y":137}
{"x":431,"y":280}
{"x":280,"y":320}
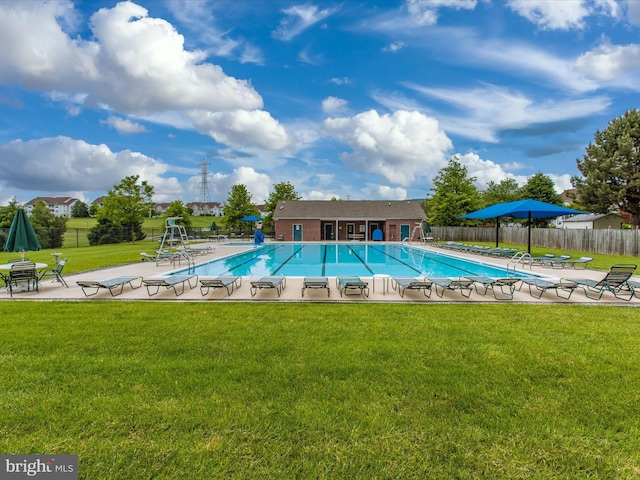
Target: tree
{"x":179,"y":209}
{"x":7,"y":213}
{"x":611,"y":169}
{"x":49,"y":228}
{"x":238,"y":205}
{"x":454,"y":194}
{"x":124,"y":208}
{"x":540,"y":187}
{"x":281,"y":191}
{"x":507,"y":190}
{"x":80,"y":210}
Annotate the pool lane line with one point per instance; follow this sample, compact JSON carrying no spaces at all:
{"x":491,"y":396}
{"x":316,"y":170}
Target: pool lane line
{"x":361,"y":260}
{"x":435,"y":260}
{"x":287,"y":260}
{"x":252,"y":259}
{"x":324,"y":260}
{"x":398,"y":260}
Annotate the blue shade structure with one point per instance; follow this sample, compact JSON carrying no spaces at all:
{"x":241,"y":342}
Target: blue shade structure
{"x":250,"y":218}
{"x":522,"y":209}
{"x":21,"y":235}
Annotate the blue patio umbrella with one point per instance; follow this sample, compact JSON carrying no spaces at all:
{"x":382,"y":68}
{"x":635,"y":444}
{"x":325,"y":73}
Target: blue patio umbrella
{"x":522,"y":209}
{"x":22,"y":236}
{"x":250,"y":218}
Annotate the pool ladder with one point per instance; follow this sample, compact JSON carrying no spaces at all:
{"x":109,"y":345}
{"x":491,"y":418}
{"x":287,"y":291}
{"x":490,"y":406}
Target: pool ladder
{"x":520,"y":257}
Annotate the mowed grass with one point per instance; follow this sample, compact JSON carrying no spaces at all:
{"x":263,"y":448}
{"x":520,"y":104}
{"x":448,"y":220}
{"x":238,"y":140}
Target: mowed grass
{"x":238,"y":390}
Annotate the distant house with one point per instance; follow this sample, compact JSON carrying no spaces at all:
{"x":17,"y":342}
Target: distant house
{"x":311,"y":220}
{"x":206,"y":208}
{"x":58,"y":206}
{"x":161,"y":208}
{"x":589,"y":221}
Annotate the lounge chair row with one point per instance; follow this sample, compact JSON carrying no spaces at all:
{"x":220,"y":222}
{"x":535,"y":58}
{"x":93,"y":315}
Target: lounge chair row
{"x":617,"y":282}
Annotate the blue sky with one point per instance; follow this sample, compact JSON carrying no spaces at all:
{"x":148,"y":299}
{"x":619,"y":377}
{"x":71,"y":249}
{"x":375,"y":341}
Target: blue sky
{"x":359,"y":100}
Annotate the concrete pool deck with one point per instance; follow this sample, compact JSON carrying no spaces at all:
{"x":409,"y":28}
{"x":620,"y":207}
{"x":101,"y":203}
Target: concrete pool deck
{"x":50,"y":291}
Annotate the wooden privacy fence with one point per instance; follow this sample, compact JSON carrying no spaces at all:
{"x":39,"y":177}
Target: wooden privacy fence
{"x":610,"y":242}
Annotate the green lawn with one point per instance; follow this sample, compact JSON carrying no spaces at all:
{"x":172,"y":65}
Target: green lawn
{"x":207,"y":390}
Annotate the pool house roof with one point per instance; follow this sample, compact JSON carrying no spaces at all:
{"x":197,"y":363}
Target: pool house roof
{"x":348,"y":209}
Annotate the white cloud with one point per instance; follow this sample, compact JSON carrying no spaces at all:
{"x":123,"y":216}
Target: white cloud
{"x":398,"y":147}
{"x":425,"y":12}
{"x":562,"y":14}
{"x":319,"y":195}
{"x":135,"y":64}
{"x":610,"y":62}
{"x":242,"y":128}
{"x":341,"y":81}
{"x":486,"y":171}
{"x":633,"y":12}
{"x":298,"y":19}
{"x":123,"y":126}
{"x":394,"y":47}
{"x":489,"y":109}
{"x":333,"y":105}
{"x":62,"y":164}
{"x":384,"y":192}
{"x":258,"y":184}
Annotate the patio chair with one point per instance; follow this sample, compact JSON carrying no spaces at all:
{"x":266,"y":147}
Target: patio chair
{"x":556,"y":262}
{"x":615,"y":281}
{"x":54,"y":273}
{"x":228,"y":283}
{"x":316,"y":282}
{"x":170,"y":281}
{"x":634,"y":286}
{"x":448,"y":283}
{"x":114,"y":285}
{"x":22,"y":273}
{"x":541,"y":285}
{"x":578,"y":263}
{"x":346,"y":284}
{"x":147,"y":257}
{"x":410,"y":283}
{"x":278,"y":283}
{"x":506,"y":285}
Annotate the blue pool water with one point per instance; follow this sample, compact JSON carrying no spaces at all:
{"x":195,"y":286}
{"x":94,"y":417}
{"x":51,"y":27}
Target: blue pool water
{"x":360,"y":259}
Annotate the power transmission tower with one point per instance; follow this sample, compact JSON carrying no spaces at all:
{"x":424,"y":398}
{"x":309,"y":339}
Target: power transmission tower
{"x":204,"y":182}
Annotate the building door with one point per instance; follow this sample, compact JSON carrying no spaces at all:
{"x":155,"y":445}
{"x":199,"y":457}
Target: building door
{"x":351,"y":229}
{"x":405,"y":231}
{"x":328,"y":231}
{"x":297,"y":232}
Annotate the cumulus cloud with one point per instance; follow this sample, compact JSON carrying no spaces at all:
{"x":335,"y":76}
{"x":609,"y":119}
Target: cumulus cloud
{"x":62,"y":164}
{"x":562,"y":15}
{"x":258,"y":184}
{"x":240,"y":127}
{"x":333,"y":105}
{"x":124,"y":126}
{"x":384,"y":192}
{"x":134,"y":64}
{"x":486,"y":171}
{"x":608,"y":62}
{"x":398,"y":147}
{"x":298,"y":19}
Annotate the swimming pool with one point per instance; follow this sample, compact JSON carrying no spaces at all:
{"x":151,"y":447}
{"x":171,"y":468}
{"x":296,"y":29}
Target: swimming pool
{"x":336,"y":259}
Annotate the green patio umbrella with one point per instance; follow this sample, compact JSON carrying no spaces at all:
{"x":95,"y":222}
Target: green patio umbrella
{"x":22,"y":236}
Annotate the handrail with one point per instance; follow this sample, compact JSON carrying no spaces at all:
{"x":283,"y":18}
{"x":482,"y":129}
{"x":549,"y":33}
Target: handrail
{"x":522,"y":257}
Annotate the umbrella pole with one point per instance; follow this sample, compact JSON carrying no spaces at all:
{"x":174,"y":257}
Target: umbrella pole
{"x":497,"y":231}
{"x":529,"y":228}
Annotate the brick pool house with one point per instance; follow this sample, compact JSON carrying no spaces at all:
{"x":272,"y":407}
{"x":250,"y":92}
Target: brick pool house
{"x":346,"y":220}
